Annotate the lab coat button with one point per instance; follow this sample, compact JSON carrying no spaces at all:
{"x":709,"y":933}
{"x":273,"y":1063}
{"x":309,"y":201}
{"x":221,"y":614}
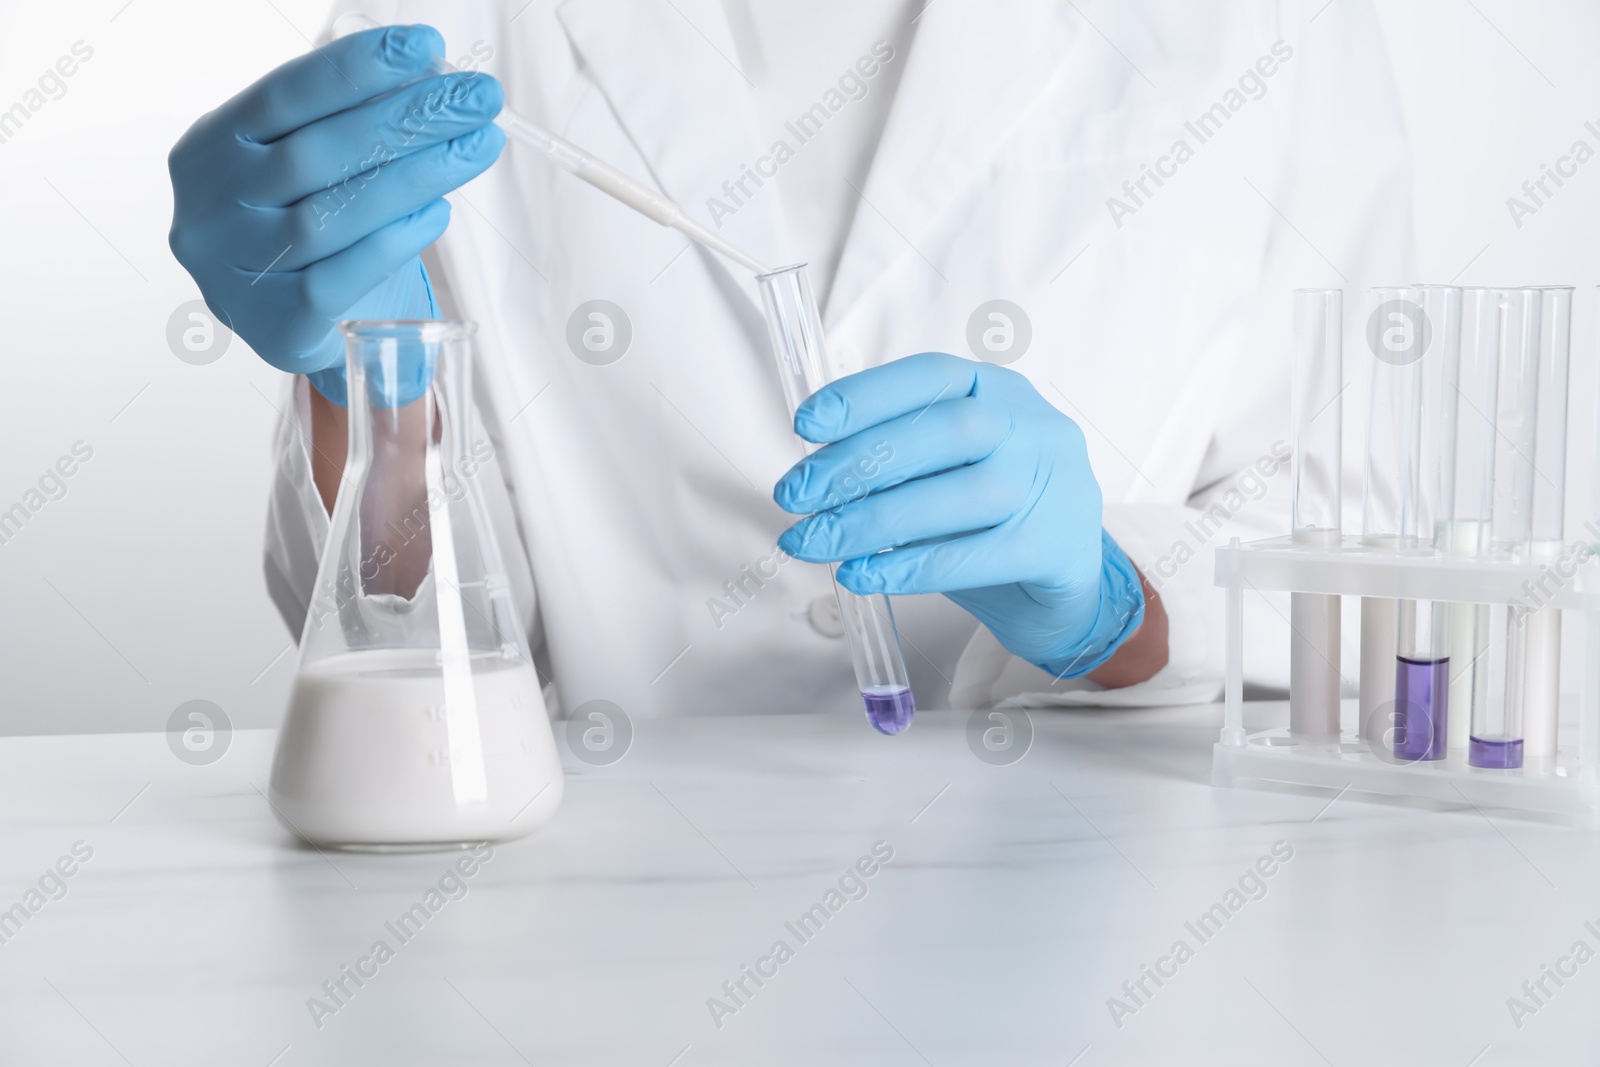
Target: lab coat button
{"x":824,"y":616}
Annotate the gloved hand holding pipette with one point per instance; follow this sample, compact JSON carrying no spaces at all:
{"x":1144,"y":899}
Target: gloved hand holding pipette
{"x":987,"y":497}
{"x":597,"y":172}
{"x":308,"y":198}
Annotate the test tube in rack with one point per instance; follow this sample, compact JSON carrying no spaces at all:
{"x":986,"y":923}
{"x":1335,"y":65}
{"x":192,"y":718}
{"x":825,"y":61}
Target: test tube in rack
{"x":1496,"y":739}
{"x":1317,"y":388}
{"x":1413,"y":341}
{"x":1542,"y":700}
{"x":1464,"y":523}
{"x":1422,"y":631}
{"x":1392,"y":328}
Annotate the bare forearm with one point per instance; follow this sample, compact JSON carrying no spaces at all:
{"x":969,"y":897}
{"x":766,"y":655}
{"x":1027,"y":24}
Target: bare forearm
{"x":393,"y":514}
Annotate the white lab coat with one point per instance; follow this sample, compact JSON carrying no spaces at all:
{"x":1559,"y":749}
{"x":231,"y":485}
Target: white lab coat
{"x":630,"y":495}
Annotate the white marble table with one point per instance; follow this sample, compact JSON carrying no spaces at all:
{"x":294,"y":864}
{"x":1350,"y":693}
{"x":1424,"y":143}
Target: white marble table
{"x":1018,"y":900}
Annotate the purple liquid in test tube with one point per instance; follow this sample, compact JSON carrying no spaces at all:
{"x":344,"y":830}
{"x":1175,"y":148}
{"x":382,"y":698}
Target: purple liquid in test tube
{"x":889,"y":708}
{"x":1421,"y":708}
{"x":1502,"y":755}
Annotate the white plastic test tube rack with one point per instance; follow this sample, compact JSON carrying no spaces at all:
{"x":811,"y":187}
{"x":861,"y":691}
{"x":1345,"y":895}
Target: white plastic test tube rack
{"x":1567,"y":786}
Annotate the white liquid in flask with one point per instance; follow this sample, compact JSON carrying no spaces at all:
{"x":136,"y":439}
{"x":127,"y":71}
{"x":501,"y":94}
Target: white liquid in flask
{"x":367,"y":756}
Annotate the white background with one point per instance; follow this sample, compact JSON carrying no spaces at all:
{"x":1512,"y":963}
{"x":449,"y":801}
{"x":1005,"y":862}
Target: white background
{"x":142,"y":587}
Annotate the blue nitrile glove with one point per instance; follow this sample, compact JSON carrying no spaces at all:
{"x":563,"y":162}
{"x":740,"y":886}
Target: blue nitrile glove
{"x":308,"y":198}
{"x":989,"y":488}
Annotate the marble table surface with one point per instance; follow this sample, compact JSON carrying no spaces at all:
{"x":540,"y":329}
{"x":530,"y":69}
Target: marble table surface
{"x":1016,"y":914}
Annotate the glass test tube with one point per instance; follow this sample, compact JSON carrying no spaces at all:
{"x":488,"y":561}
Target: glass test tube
{"x":1317,"y":387}
{"x":1413,"y":337}
{"x":1542,"y":702}
{"x":1464,"y":520}
{"x":1391,"y":328}
{"x":1422,"y":652}
{"x":797,"y":343}
{"x":1496,"y":739}
{"x":1591,"y":534}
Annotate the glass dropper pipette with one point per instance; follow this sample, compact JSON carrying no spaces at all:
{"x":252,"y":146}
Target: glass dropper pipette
{"x":570,"y":157}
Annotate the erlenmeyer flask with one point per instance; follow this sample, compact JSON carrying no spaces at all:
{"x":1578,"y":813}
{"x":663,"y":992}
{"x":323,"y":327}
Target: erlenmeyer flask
{"x":416,"y":717}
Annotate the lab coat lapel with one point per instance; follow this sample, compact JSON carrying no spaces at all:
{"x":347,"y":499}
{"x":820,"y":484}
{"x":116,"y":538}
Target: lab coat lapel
{"x":973,"y":72}
{"x":670,"y":72}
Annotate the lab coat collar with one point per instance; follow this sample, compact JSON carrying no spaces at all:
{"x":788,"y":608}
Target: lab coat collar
{"x":670,"y":72}
{"x":974,"y":72}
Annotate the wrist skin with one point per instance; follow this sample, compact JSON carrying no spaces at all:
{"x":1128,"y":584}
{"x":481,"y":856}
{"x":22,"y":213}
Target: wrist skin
{"x":1143,"y":652}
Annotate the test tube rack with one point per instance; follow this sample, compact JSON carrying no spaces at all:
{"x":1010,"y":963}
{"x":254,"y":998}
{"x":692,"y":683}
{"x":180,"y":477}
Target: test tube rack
{"x":1566,"y":787}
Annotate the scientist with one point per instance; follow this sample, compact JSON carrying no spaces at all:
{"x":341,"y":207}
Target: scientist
{"x":1097,"y":209}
